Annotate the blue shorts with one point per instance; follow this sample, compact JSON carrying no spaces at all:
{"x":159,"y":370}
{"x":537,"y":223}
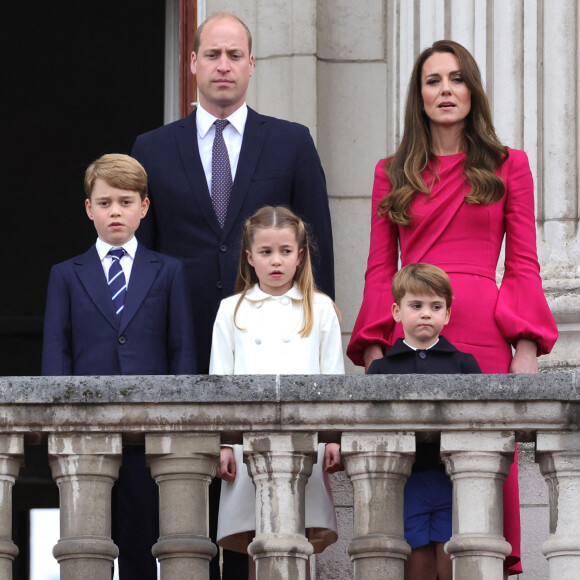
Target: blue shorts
{"x":428,"y":508}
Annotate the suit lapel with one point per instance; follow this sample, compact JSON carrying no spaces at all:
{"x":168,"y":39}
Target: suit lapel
{"x":186,"y":136}
{"x":143,"y":273}
{"x":89,"y":271}
{"x":254,"y":135}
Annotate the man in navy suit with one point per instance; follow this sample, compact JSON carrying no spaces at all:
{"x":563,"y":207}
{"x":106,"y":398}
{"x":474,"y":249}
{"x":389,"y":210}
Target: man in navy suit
{"x":272,"y":162}
{"x":146,"y":328}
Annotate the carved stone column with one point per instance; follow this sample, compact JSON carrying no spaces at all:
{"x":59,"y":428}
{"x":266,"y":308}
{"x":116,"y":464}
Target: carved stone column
{"x":559,"y":457}
{"x":280,"y":464}
{"x":378,"y":465}
{"x":183,"y":465}
{"x":11,"y":453}
{"x":85,"y":468}
{"x":478,"y":463}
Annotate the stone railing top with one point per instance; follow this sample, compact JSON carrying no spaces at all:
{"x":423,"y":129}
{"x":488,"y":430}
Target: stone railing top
{"x":287,"y":388}
{"x":327,"y":404}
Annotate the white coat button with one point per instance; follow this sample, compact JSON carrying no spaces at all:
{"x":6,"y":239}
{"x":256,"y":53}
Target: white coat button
{"x":259,"y":304}
{"x":285,"y":301}
{"x":285,"y":340}
{"x":258,"y":341}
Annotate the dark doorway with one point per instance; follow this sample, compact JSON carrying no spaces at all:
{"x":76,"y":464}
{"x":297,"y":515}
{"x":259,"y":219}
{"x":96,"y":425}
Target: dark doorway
{"x":80,"y":79}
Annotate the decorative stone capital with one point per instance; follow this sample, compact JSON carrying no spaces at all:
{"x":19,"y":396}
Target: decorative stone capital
{"x":378,"y":465}
{"x":280,"y":464}
{"x":478,"y":463}
{"x":85,"y":468}
{"x":558,"y":454}
{"x":183,"y":465}
{"x":11,"y":455}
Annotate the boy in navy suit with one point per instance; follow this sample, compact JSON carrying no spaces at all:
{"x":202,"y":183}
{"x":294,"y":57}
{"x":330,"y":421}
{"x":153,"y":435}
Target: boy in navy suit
{"x":423,"y":296}
{"x":121,"y":309}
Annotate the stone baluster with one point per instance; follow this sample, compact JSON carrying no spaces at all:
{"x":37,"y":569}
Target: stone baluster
{"x":559,"y":457}
{"x":478,"y":463}
{"x":378,"y":465}
{"x":280,"y":464}
{"x":183,"y":465}
{"x":85,"y":468}
{"x":11,"y":453}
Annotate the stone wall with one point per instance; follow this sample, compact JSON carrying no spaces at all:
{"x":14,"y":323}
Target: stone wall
{"x":342,"y":68}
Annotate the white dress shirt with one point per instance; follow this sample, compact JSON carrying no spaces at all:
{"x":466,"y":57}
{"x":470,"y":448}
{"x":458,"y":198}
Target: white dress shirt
{"x":126,"y":261}
{"x":233,"y":136}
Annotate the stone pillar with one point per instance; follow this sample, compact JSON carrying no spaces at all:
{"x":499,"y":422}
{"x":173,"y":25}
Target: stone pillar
{"x":280,"y":464}
{"x":478,"y":463}
{"x":11,"y":452}
{"x":183,"y":465}
{"x":85,"y":468}
{"x":378,"y":465}
{"x":559,"y":457}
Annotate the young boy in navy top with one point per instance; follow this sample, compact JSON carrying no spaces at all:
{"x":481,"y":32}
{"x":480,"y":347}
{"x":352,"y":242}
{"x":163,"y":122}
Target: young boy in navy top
{"x":121,"y":309}
{"x":423,"y":296}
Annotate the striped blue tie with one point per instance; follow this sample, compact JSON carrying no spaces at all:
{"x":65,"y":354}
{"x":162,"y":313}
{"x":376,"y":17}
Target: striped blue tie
{"x":117,"y":282}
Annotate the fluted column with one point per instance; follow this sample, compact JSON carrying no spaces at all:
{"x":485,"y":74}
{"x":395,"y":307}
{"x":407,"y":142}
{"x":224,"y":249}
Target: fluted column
{"x":280,"y":464}
{"x":183,"y":465}
{"x":11,"y":453}
{"x":378,"y":465}
{"x":85,"y":468}
{"x":559,"y":457}
{"x":478,"y":463}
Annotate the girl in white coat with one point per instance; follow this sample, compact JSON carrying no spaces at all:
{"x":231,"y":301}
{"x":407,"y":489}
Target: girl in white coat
{"x":276,"y":323}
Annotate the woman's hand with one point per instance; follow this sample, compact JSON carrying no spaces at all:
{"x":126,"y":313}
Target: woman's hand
{"x":525,"y":358}
{"x":332,"y":461}
{"x":372,"y":352}
{"x":226,"y":469}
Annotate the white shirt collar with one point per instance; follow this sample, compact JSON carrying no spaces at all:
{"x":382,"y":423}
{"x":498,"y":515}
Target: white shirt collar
{"x":255,"y":294}
{"x":415,"y":348}
{"x":205,"y":120}
{"x":103,"y":248}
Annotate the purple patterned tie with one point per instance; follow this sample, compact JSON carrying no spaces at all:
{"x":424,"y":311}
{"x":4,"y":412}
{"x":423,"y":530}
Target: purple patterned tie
{"x":221,"y":173}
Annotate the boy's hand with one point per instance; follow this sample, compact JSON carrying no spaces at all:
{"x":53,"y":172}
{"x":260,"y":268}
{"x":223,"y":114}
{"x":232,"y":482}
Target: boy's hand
{"x":332,"y":461}
{"x":226,"y":469}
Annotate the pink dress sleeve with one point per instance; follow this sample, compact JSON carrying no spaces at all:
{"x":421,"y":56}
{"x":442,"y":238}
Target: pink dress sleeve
{"x":374,"y":323}
{"x":522,"y":310}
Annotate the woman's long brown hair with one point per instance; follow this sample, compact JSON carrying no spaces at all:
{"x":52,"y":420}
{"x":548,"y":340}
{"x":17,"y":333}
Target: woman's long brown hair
{"x":407,"y":168}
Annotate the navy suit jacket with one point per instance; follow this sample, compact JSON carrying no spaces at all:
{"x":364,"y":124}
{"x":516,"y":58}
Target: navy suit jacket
{"x":278,"y":165}
{"x":83,"y":335}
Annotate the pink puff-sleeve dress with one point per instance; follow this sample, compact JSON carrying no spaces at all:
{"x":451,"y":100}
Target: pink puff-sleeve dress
{"x":465,"y":240}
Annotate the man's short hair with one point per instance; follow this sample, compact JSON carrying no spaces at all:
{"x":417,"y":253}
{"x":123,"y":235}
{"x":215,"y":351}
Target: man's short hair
{"x":422,"y":278}
{"x":217,"y":15}
{"x":117,"y":170}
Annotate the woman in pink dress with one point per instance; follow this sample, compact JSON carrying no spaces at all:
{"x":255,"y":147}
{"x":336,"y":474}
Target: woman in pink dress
{"x":448,"y":196}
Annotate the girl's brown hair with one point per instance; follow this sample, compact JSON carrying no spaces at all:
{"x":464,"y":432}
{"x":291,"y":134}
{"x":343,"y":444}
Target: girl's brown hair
{"x":278,"y":217}
{"x":484,"y":151}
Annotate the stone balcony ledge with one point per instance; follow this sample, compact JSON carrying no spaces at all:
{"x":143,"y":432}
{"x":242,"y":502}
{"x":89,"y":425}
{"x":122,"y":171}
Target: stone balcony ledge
{"x":377,"y":419}
{"x":324,"y":403}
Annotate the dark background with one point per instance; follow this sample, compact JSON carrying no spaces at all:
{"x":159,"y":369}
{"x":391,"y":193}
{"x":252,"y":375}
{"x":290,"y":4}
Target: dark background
{"x":81,"y":78}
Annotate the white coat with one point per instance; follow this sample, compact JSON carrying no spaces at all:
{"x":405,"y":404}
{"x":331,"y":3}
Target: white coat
{"x":265,"y":340}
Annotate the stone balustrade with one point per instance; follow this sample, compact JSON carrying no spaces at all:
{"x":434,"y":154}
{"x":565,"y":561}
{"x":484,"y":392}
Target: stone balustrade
{"x":280,"y":420}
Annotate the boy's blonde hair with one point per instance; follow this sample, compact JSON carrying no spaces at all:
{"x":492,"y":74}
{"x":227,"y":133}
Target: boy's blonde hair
{"x":278,"y":217}
{"x":419,"y":278}
{"x":117,"y":170}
